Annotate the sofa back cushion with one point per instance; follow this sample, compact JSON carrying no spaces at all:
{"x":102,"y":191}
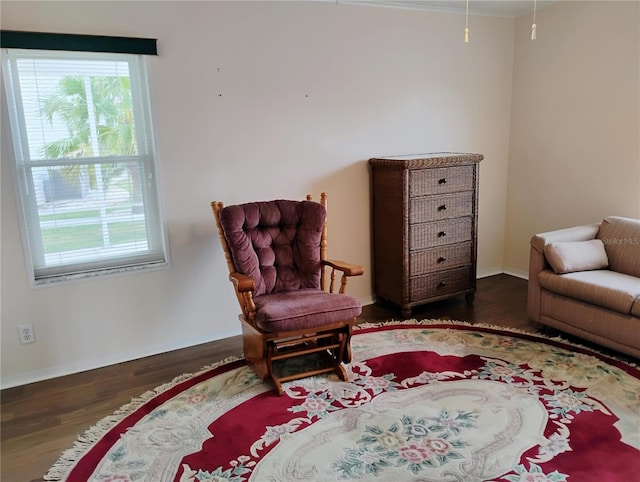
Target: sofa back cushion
{"x":621,"y":238}
{"x":277,"y":243}
{"x":568,"y":257}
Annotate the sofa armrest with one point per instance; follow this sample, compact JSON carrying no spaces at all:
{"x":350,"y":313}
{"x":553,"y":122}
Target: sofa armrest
{"x":538,"y":263}
{"x":576,"y":233}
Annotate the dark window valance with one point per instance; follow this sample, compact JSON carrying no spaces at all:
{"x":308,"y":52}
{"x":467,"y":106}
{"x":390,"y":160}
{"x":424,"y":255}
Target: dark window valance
{"x":14,"y":39}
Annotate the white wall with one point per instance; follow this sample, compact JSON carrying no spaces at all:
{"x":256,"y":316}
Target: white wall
{"x":575,"y":132}
{"x":255,"y":101}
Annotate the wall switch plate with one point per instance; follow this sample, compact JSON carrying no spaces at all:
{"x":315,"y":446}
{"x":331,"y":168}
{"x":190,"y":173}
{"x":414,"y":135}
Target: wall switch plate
{"x":26,"y":333}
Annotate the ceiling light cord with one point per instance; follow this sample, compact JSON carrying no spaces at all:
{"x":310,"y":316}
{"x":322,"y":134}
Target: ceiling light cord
{"x":533,"y":26}
{"x":466,"y":24}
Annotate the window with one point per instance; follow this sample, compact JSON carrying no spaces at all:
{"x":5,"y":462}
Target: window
{"x":84,"y":150}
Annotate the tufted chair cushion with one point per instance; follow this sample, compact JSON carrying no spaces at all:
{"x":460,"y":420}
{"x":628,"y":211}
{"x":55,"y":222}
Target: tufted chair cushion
{"x":277,"y":243}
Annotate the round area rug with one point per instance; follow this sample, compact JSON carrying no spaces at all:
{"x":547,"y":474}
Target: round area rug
{"x":425,"y":401}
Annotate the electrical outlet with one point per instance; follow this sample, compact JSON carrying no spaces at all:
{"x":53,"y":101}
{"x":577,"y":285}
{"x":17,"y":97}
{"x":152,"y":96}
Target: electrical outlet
{"x":26,"y":333}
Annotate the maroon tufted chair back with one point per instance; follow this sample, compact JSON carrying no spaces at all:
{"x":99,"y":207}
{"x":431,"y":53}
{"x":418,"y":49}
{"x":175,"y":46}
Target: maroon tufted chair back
{"x":277,"y":243}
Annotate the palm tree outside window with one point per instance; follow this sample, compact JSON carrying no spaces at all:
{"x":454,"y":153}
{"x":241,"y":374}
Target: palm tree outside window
{"x":85,"y":161}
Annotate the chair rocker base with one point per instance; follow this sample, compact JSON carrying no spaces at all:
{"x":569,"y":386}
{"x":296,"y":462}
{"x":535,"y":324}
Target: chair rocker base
{"x":274,"y":356}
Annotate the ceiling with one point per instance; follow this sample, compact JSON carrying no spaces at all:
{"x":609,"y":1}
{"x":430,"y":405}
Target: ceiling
{"x":499,"y":8}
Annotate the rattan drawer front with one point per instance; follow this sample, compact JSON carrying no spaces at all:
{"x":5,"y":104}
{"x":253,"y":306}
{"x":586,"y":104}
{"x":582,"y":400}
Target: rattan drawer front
{"x":440,"y":284}
{"x":437,"y":259}
{"x":435,"y":208}
{"x":427,"y":235}
{"x":424,"y":213}
{"x":439,"y":181}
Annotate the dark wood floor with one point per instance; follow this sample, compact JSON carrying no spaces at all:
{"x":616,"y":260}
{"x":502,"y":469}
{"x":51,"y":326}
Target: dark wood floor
{"x":42,"y":419}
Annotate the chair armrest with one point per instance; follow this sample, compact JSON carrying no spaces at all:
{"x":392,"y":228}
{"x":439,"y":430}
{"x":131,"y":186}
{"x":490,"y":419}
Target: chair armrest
{"x":242,"y":282}
{"x":346,"y":268}
{"x":244,"y":287}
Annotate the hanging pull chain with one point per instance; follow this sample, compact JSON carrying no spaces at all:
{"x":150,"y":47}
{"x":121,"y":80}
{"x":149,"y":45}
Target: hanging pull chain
{"x":534,"y":26}
{"x":466,"y":24}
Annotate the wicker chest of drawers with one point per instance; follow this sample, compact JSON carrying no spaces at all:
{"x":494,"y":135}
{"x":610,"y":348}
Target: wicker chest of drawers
{"x":425,"y":217}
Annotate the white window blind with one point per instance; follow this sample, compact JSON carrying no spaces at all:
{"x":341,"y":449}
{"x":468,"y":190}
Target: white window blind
{"x":85,"y":160}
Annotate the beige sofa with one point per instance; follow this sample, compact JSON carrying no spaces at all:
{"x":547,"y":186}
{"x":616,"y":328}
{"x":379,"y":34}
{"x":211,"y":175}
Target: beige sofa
{"x":585,"y":281}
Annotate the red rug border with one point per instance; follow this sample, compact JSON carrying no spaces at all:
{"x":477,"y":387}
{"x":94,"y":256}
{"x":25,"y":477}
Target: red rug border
{"x":128,"y":415}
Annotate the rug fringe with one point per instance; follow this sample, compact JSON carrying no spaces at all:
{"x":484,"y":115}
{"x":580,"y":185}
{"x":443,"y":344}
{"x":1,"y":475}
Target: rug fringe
{"x":411,"y":321}
{"x":68,"y":458}
{"x":93,"y":434}
{"x":434,"y":321}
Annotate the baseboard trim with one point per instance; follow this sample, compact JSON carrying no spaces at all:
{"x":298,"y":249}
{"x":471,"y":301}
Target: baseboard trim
{"x":73,"y":368}
{"x":70,"y":369}
{"x":369,"y":300}
{"x":516,"y":272}
{"x":485,"y":273}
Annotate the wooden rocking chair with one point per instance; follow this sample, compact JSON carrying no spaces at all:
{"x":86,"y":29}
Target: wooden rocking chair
{"x":276,"y":252}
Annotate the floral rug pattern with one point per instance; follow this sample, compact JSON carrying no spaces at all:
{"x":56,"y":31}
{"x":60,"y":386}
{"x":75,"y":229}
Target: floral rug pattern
{"x":432,"y":402}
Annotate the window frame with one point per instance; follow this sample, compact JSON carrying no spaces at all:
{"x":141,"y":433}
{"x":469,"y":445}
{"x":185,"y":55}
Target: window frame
{"x":156,"y":256}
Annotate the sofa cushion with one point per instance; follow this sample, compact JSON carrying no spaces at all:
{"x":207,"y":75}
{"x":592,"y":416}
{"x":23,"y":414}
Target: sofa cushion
{"x":303,"y":309}
{"x":635,"y":309}
{"x":621,"y":238}
{"x":604,"y":288}
{"x":567,"y":257}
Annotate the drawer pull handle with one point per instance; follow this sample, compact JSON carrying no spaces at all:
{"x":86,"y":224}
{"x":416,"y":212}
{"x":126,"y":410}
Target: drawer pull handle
{"x":442,"y":284}
{"x":441,"y":259}
{"x":442,"y":234}
{"x":442,"y":208}
{"x":442,"y":181}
